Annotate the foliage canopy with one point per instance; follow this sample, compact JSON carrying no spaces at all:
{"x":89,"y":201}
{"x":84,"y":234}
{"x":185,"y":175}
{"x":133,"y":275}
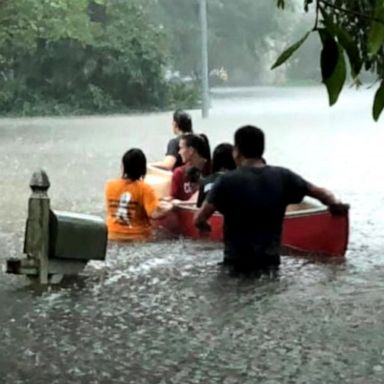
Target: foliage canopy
{"x":59,"y":56}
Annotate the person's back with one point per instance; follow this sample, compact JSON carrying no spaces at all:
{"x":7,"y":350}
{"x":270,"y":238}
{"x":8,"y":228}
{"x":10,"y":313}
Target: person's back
{"x":129,"y":205}
{"x":130,"y":202}
{"x":253,"y":202}
{"x":253,"y":199}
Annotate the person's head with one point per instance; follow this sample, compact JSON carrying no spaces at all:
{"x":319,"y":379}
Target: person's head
{"x":194,"y":147}
{"x":134,"y":164}
{"x":193,"y":176}
{"x":249,"y":143}
{"x":182,"y":122}
{"x":222,"y":159}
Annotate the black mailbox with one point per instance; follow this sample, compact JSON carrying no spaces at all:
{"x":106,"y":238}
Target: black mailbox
{"x":75,"y":236}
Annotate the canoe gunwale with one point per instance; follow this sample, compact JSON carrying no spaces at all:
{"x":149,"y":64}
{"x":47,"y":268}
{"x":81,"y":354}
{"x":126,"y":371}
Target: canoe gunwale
{"x":290,"y":214}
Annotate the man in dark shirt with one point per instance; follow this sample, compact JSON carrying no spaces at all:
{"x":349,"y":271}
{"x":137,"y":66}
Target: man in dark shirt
{"x":181,"y":124}
{"x":253,"y":199}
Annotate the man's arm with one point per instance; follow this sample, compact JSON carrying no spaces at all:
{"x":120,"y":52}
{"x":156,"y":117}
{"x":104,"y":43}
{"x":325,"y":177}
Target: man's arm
{"x":327,"y":198}
{"x":322,"y":194}
{"x":202,"y":216}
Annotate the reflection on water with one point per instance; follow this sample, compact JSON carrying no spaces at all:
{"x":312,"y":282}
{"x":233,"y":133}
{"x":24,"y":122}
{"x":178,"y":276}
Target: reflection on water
{"x":165,"y":312}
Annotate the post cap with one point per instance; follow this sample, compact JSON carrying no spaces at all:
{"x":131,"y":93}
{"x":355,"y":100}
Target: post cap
{"x":39,"y":181}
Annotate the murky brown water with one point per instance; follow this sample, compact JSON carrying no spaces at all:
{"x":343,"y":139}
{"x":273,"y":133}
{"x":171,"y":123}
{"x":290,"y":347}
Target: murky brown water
{"x":164,"y":312}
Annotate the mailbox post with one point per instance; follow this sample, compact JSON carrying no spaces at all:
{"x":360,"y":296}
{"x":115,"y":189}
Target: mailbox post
{"x":57,"y":243}
{"x":36,"y":244}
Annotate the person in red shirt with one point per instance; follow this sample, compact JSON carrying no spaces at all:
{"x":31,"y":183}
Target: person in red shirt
{"x":195,"y":152}
{"x":131,"y":202}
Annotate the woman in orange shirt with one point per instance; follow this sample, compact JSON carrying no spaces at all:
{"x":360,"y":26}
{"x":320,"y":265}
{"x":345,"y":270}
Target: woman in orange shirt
{"x":131,"y":203}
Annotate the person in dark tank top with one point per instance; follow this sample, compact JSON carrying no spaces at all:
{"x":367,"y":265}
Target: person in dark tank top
{"x":253,"y":199}
{"x":181,"y":124}
{"x":222,"y":162}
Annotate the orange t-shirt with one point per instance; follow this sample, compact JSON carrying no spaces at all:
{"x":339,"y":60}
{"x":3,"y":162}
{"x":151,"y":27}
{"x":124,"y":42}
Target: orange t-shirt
{"x":129,"y":205}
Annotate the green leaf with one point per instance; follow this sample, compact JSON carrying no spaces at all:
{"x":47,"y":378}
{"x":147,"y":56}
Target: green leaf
{"x":333,"y":68}
{"x":329,"y":54}
{"x":345,"y":39}
{"x":378,"y":103}
{"x":289,"y":51}
{"x":376,"y":33}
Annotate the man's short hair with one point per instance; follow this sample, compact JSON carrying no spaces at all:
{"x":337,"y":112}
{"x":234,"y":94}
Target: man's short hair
{"x":250,"y":142}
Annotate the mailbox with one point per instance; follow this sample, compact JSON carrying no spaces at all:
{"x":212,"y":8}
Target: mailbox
{"x":56,"y":243}
{"x":75,"y":236}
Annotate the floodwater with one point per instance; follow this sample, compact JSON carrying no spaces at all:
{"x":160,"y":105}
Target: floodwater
{"x":164,"y":312}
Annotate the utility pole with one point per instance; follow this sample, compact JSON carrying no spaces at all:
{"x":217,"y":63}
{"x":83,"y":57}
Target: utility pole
{"x":204,"y":58}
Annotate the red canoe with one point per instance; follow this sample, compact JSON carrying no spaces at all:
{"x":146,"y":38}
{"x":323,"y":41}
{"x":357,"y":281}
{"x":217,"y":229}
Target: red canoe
{"x":307,"y":230}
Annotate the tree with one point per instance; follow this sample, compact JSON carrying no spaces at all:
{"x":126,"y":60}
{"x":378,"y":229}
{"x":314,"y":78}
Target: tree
{"x":348,"y":29}
{"x":237,"y":35}
{"x":79,"y":55}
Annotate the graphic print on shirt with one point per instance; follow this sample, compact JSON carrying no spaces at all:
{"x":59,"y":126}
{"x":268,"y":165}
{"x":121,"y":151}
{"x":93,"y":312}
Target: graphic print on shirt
{"x":121,"y":214}
{"x":187,"y":187}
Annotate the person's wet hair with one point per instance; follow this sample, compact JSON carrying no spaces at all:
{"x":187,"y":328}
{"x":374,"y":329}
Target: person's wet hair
{"x":183,"y":121}
{"x":222,"y":158}
{"x":250,"y":142}
{"x":134,"y":164}
{"x":201,"y":144}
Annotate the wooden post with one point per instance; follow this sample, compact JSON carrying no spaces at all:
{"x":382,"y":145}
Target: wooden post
{"x":37,"y":232}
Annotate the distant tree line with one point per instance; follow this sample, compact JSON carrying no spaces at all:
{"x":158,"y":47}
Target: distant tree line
{"x":99,"y":56}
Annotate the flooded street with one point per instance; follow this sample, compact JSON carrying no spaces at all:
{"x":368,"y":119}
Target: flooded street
{"x":164,"y":312}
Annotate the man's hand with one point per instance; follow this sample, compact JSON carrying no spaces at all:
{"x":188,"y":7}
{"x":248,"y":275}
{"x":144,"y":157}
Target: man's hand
{"x":202,"y":216}
{"x":203,"y":227}
{"x":338,"y":208}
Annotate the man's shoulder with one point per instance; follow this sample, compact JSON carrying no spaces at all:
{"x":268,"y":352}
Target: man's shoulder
{"x":244,"y":173}
{"x":229,"y":178}
{"x":284,"y":171}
